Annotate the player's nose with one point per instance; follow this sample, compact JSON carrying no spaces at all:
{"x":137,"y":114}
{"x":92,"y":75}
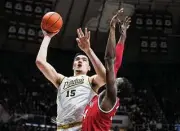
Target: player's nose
{"x":80,"y":61}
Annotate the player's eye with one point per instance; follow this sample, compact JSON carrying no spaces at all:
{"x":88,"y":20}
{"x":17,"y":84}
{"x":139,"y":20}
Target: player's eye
{"x":84,"y":60}
{"x":77,"y":58}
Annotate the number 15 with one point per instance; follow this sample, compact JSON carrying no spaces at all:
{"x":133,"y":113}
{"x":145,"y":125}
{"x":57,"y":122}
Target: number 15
{"x":71,"y":93}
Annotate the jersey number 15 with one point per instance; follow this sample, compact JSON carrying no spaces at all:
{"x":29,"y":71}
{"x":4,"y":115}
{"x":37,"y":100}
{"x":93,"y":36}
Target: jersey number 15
{"x":71,"y":93}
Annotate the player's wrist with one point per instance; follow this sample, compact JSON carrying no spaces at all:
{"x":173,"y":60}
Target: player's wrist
{"x":88,"y":51}
{"x":47,"y":37}
{"x":113,"y":26}
{"x":112,"y":29}
{"x":122,"y":39}
{"x":46,"y":40}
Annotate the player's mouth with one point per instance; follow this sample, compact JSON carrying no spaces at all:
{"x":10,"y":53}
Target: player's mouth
{"x":79,"y":65}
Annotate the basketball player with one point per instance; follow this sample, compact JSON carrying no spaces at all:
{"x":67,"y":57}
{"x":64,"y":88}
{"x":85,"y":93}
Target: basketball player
{"x":76,"y":91}
{"x":99,"y":112}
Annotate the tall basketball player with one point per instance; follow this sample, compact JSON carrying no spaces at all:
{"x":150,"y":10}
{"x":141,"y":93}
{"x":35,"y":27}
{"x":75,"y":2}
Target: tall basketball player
{"x":99,"y":112}
{"x":76,"y":91}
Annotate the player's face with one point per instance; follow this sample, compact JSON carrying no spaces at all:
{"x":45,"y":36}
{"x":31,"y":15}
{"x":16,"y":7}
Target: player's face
{"x":81,"y":64}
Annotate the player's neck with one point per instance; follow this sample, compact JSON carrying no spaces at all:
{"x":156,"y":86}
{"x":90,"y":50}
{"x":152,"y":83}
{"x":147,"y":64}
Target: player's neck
{"x":77,"y":73}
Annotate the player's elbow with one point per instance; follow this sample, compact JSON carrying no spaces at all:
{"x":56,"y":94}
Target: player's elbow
{"x":39,"y":63}
{"x":103,"y":80}
{"x":103,"y":76}
{"x":40,"y":60}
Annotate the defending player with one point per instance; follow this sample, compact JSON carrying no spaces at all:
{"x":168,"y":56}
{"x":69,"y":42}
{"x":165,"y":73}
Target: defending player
{"x":99,"y":112}
{"x":76,"y":91}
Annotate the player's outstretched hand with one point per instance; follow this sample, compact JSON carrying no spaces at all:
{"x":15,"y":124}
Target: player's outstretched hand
{"x":117,"y":18}
{"x":125,"y":25}
{"x":83,"y":39}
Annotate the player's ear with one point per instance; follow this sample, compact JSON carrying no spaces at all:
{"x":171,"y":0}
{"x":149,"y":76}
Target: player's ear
{"x":73,"y":66}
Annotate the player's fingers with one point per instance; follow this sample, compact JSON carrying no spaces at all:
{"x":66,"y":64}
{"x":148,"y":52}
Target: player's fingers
{"x":44,"y":32}
{"x":128,"y":26}
{"x":78,"y":41}
{"x":126,"y":18}
{"x":121,"y":10}
{"x":86,"y":33}
{"x":128,"y":22}
{"x":56,"y":33}
{"x":81,"y":32}
{"x":78,"y":33}
{"x":89,"y":35}
{"x":129,"y":19}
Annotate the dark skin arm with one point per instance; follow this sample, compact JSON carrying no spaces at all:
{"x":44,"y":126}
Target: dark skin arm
{"x":108,"y":99}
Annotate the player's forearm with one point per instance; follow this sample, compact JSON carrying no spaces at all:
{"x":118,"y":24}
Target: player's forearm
{"x":109,"y":61}
{"x":122,"y":38}
{"x":42,"y":54}
{"x":119,"y":51}
{"x":97,"y":64}
{"x":110,"y":78}
{"x":110,"y":47}
{"x":119,"y":55}
{"x":110,"y":54}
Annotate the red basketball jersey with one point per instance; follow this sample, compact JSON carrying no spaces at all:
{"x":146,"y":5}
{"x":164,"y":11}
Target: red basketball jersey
{"x":95,"y":119}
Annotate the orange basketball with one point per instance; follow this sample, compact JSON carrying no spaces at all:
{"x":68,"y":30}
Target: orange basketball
{"x":51,"y":22}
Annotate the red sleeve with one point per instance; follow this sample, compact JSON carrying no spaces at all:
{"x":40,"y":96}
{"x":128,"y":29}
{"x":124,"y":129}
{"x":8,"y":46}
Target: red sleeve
{"x":118,"y":59}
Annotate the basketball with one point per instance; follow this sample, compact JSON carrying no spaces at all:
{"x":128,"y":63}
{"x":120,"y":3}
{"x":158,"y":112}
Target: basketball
{"x":51,"y":22}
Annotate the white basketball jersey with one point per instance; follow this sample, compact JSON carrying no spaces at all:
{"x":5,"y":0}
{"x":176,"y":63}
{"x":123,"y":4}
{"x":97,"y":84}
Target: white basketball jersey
{"x":73,"y":95}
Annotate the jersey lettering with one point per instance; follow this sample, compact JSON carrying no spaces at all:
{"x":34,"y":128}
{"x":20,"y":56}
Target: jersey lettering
{"x":71,"y":83}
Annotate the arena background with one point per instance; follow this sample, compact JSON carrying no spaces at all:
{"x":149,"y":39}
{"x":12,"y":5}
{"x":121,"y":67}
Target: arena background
{"x":151,"y":60}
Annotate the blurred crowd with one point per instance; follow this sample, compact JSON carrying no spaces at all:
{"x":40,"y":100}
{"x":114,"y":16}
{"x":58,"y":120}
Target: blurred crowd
{"x":33,"y":103}
{"x":144,"y":112}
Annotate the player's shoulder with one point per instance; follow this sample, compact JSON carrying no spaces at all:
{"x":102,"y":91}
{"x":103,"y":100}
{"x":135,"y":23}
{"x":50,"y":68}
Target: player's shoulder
{"x":91,"y":78}
{"x":112,"y":111}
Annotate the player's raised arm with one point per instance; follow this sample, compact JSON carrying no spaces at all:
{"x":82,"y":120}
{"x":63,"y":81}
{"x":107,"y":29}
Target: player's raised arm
{"x":120,"y":45}
{"x":83,"y":41}
{"x":41,"y":62}
{"x":109,"y":99}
